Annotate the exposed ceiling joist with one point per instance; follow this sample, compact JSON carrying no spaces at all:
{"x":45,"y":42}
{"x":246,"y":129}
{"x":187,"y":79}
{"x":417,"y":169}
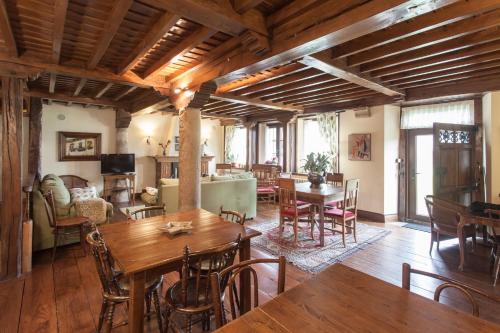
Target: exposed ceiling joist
{"x":243,"y":6}
{"x":256,"y":102}
{"x":60,"y":10}
{"x":374,"y":101}
{"x":117,"y":14}
{"x":6,"y":29}
{"x":70,"y":98}
{"x":52,"y":83}
{"x":160,"y":29}
{"x":125,"y":93}
{"x":103,"y":90}
{"x":338,"y":68}
{"x":80,"y":86}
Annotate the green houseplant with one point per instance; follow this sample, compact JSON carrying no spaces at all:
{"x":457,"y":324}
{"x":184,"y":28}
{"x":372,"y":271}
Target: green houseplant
{"x":316,"y":165}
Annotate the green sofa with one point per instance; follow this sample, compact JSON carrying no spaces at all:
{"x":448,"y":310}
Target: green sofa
{"x":234,"y":194}
{"x":43,"y":237}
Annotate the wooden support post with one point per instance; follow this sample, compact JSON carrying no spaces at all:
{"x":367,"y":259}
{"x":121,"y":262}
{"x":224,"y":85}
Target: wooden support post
{"x":250,"y":144}
{"x":284,"y":120}
{"x":35,"y":141}
{"x":11,"y":215}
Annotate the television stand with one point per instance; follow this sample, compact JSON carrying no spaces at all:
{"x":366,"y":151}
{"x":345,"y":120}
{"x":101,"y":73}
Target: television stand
{"x":119,"y":182}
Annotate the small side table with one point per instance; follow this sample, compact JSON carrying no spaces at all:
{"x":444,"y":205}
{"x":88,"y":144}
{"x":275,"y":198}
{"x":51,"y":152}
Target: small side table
{"x":110,"y":185}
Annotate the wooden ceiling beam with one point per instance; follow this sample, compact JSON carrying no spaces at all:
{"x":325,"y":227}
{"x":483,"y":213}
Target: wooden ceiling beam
{"x":456,"y":29}
{"x":158,"y":31}
{"x":103,"y":90}
{"x":116,"y":17}
{"x":362,"y":102}
{"x":52,"y":83}
{"x":309,"y":84}
{"x":362,"y":20}
{"x":80,"y":86}
{"x":324,"y":94}
{"x":317,"y":89}
{"x":256,"y":102}
{"x":243,"y":6}
{"x":6,"y":29}
{"x":60,"y":11}
{"x":338,"y":68}
{"x":341,"y":98}
{"x":214,"y":15}
{"x":419,"y":24}
{"x":123,"y":94}
{"x":196,"y":38}
{"x":70,"y":98}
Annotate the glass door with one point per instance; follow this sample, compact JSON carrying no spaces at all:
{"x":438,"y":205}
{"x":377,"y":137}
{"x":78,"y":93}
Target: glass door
{"x":420,"y":171}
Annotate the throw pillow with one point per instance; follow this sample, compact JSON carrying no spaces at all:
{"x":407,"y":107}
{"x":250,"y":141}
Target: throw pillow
{"x":86,"y":193}
{"x":61,"y":194}
{"x":216,"y":178}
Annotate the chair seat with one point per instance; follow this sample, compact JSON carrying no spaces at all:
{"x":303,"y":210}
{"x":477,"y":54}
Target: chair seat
{"x":302,"y":203}
{"x":301,"y":211}
{"x":174,"y":294}
{"x":71,"y":221}
{"x":151,"y":283}
{"x":333,"y":203}
{"x":335,"y":212}
{"x":265,"y":190}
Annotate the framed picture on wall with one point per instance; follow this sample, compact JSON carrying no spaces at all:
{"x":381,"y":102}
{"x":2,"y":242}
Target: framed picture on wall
{"x":177,"y":143}
{"x":78,"y":146}
{"x":360,"y":147}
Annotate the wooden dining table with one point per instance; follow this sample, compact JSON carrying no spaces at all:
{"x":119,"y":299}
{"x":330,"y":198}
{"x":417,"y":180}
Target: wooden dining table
{"x":141,"y":249}
{"x":342,"y":299}
{"x":318,"y":197}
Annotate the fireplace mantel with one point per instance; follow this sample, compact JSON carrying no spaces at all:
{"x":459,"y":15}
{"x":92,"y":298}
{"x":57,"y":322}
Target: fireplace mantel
{"x":164,"y":165}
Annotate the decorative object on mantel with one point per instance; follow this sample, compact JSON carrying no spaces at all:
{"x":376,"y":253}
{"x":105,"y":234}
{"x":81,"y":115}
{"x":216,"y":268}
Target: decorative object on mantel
{"x":177,"y":141}
{"x":316,"y":165}
{"x":360,"y":147}
{"x":164,"y":147}
{"x":79,"y":146}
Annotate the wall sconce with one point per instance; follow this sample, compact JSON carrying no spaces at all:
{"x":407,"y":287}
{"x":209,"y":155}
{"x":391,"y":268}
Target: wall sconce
{"x":148,"y":140}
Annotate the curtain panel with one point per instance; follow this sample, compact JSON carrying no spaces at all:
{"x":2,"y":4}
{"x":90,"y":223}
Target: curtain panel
{"x":327,"y":123}
{"x":228,"y":144}
{"x":424,"y":116}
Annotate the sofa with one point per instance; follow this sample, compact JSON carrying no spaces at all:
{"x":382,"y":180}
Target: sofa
{"x":43,"y":238}
{"x":237,"y":192}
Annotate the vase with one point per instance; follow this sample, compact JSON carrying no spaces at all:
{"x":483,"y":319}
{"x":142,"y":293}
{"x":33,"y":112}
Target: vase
{"x":316,"y":179}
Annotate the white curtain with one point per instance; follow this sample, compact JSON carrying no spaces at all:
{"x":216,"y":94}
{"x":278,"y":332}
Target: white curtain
{"x":424,"y":116}
{"x":228,"y":144}
{"x":327,"y":124}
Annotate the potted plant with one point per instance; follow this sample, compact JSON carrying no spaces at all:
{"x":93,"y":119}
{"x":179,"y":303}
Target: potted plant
{"x":316,"y":165}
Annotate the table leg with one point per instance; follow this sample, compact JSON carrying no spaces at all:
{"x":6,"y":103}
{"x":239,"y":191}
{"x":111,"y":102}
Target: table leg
{"x":245,"y":292}
{"x":321,"y":207}
{"x":461,"y":242}
{"x":136,"y":303}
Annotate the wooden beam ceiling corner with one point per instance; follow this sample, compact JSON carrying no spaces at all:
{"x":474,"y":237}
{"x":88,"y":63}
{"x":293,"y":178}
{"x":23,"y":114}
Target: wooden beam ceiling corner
{"x":125,"y":93}
{"x":116,"y":17}
{"x":60,"y":10}
{"x":6,"y":29}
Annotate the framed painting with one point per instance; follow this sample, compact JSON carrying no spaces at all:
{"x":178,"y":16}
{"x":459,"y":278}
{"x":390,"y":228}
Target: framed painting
{"x":177,"y":143}
{"x":360,"y":147}
{"x":78,"y":146}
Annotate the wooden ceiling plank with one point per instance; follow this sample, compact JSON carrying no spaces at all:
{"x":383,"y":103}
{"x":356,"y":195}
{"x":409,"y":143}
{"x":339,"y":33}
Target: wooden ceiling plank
{"x":197,"y":37}
{"x":103,"y":90}
{"x":116,"y":17}
{"x":317,"y":89}
{"x":363,"y":102}
{"x":364,"y":19}
{"x":322,"y":94}
{"x":52,"y":83}
{"x":6,"y":29}
{"x":70,"y":98}
{"x":338,"y":68}
{"x":159,"y":29}
{"x":255,"y":102}
{"x":453,"y":30}
{"x":428,"y":21}
{"x":60,"y":10}
{"x":243,"y":6}
{"x":310,"y":84}
{"x":80,"y":86}
{"x":125,"y":93}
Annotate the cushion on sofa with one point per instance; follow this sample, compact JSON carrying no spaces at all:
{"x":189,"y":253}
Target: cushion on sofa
{"x":242,"y":175}
{"x":84,"y":193}
{"x":61,"y":194}
{"x":216,"y":178}
{"x":169,"y":181}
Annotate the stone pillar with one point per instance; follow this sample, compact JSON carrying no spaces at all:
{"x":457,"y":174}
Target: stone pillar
{"x":122,"y":140}
{"x":189,"y":159}
{"x":123,"y":119}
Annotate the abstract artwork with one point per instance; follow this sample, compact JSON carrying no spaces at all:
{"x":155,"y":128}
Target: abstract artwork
{"x":360,"y":147}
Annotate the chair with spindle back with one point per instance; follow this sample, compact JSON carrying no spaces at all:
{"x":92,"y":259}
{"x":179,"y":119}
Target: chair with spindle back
{"x":232,"y":216}
{"x":348,"y":214}
{"x":191,"y":295}
{"x":146,"y":212}
{"x":291,"y":209}
{"x":115,"y":285}
{"x":223,"y":168}
{"x":335,"y":179}
{"x":66,"y":226}
{"x":467,"y":290}
{"x":228,"y":277}
{"x":266,"y":175}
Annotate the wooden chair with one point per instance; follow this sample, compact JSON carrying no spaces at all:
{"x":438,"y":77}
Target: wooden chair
{"x":444,"y":217}
{"x":494,"y":238}
{"x":71,"y":181}
{"x":223,"y":168}
{"x":467,"y":290}
{"x":266,"y":175}
{"x":67,"y":226}
{"x":115,"y":285}
{"x":335,"y":179}
{"x":146,"y":212}
{"x":191,"y":296}
{"x":348,"y":214}
{"x":291,"y":210}
{"x":232,"y":216}
{"x":229,"y":277}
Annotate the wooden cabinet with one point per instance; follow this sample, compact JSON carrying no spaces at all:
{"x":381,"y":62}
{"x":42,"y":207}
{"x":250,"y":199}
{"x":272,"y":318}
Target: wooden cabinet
{"x":115,"y":183}
{"x":165,"y":166}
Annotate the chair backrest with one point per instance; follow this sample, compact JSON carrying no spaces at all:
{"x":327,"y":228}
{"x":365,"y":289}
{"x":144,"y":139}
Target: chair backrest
{"x":229,"y":276}
{"x":232,"y":216}
{"x":71,"y":181}
{"x":336,"y":179}
{"x":351,"y":193}
{"x":50,"y":208}
{"x":444,"y":213}
{"x":466,"y":290}
{"x":287,"y":194}
{"x":266,"y":174}
{"x":104,"y":263}
{"x":222,"y":168}
{"x":146,"y":212}
{"x":197,"y":267}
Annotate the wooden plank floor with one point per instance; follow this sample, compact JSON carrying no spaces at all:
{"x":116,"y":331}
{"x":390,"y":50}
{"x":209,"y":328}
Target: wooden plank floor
{"x":66,"y":297}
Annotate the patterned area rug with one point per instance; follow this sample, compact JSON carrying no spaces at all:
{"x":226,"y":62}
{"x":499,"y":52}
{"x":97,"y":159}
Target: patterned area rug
{"x":308,"y":255}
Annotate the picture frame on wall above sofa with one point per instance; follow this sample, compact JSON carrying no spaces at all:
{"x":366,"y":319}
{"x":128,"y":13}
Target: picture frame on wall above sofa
{"x":360,"y":147}
{"x":79,"y":146}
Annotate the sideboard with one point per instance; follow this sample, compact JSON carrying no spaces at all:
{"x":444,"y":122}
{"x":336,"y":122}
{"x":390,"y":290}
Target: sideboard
{"x":165,"y":166}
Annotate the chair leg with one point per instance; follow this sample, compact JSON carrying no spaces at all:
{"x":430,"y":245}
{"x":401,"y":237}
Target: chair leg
{"x":496,"y":270}
{"x":147,"y":299}
{"x":236,"y":297}
{"x":156,"y":301}
{"x":343,"y":233}
{"x":474,"y":240}
{"x":281,"y":227}
{"x":437,"y":240}
{"x":109,"y":318}
{"x":432,"y":242}
{"x":296,"y":229}
{"x":104,"y":307}
{"x":56,"y":239}
{"x":354,"y":230}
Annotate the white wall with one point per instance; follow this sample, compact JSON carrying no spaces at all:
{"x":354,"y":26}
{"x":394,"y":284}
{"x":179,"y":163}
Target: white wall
{"x":378,"y":177}
{"x":491,"y":126}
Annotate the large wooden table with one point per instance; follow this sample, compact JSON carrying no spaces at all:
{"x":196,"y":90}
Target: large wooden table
{"x":318,"y":197}
{"x":341,"y":299}
{"x":140,"y":249}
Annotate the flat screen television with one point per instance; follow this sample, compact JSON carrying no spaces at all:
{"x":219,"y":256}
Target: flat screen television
{"x":117,"y":163}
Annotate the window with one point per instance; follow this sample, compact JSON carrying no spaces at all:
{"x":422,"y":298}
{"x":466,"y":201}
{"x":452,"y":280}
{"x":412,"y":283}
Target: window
{"x":274,"y":144}
{"x":309,"y":140}
{"x":424,"y":116}
{"x":236,"y":145}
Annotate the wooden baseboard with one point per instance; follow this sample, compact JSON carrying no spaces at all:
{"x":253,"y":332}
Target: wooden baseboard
{"x":377,"y":217}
